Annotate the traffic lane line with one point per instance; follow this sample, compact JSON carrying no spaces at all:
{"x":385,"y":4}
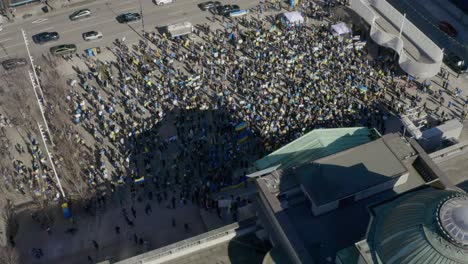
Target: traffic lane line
{"x":89,"y":26}
{"x":43,"y":30}
{"x":126,"y":9}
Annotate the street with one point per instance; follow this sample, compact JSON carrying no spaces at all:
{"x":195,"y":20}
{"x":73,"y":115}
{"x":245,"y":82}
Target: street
{"x":103,"y":18}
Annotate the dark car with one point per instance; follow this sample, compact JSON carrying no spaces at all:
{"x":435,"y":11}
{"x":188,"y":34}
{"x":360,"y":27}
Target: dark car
{"x":128,"y":17}
{"x":448,"y":28}
{"x":80,"y":14}
{"x":63,"y":49}
{"x":44,"y":37}
{"x":226,"y":9}
{"x":14,"y":63}
{"x":456,"y":63}
{"x":209,"y":5}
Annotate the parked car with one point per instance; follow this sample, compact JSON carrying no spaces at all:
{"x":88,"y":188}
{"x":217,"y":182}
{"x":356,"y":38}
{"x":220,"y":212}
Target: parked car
{"x":80,"y":14}
{"x":209,"y":5}
{"x":44,"y":37}
{"x":448,"y":28}
{"x":63,"y":49}
{"x":163,"y":2}
{"x":226,"y":9}
{"x":456,"y":63}
{"x":128,"y":17}
{"x":92,"y":35}
{"x":11,"y":64}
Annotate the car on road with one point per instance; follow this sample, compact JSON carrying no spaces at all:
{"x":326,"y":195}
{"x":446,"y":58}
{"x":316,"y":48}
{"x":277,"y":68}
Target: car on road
{"x":163,"y":2}
{"x":209,"y":5}
{"x":92,"y":35}
{"x":63,"y":49}
{"x":447,"y":28}
{"x":44,"y":37}
{"x":80,"y":14}
{"x":14,"y":63}
{"x":456,"y":63}
{"x":128,"y":17}
{"x":226,"y":9}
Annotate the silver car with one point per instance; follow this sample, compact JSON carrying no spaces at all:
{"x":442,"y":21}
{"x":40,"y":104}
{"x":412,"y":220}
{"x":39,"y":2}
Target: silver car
{"x":92,"y":35}
{"x":83,"y":13}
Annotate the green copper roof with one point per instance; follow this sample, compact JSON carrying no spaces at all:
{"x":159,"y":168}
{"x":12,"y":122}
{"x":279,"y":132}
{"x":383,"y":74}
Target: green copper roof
{"x":406,"y":230}
{"x":316,"y":144}
{"x":349,"y":255}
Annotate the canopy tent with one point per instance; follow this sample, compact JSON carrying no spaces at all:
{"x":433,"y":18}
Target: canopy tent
{"x":340,"y":29}
{"x":294,"y":17}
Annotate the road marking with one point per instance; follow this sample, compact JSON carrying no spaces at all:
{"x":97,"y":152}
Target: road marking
{"x":174,"y":13}
{"x":126,"y":9}
{"x":5,"y":40}
{"x":177,"y":20}
{"x":83,"y":19}
{"x":11,"y":46}
{"x":40,"y":20}
{"x":119,"y":4}
{"x":46,"y":29}
{"x":88,"y":26}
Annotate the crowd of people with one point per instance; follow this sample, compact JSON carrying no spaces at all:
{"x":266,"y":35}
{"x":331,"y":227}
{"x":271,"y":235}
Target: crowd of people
{"x":282,"y":83}
{"x":196,"y":111}
{"x":187,"y":116}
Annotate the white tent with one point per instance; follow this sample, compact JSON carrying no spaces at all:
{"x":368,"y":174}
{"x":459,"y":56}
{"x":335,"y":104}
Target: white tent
{"x":340,"y":29}
{"x":294,"y":17}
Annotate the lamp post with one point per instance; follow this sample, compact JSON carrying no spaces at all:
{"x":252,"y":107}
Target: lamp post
{"x":143,"y":24}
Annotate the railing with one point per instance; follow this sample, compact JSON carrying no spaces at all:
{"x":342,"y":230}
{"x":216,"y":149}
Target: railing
{"x":449,"y":152}
{"x":411,"y":66}
{"x":163,"y":254}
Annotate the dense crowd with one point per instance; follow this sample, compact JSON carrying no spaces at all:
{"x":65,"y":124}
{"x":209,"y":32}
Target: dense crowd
{"x":186,"y":117}
{"x":281,"y":82}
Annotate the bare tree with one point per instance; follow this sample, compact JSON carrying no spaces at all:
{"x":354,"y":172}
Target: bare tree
{"x":9,"y":255}
{"x":69,"y":151}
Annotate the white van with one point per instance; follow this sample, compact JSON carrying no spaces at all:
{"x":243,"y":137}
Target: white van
{"x":163,"y":2}
{"x":179,"y":29}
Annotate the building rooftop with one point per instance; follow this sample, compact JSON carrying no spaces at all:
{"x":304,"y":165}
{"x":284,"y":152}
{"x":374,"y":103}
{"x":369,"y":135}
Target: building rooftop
{"x":314,"y":145}
{"x":350,"y":171}
{"x":453,"y":160}
{"x":423,"y":226}
{"x":324,"y":235}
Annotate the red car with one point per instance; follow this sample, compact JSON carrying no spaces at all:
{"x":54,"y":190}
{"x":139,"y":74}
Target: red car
{"x":448,"y":28}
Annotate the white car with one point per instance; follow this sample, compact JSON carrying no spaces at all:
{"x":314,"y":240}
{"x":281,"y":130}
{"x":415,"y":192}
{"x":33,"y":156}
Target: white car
{"x":92,"y":35}
{"x":163,"y":2}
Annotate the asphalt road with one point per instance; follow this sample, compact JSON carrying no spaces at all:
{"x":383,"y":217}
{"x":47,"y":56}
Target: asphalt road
{"x":103,"y":19}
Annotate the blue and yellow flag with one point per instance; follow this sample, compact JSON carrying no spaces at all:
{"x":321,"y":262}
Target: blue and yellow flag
{"x":241,"y":126}
{"x":243,"y":137}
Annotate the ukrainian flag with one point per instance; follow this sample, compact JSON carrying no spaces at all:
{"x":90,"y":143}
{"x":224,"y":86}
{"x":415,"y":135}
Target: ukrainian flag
{"x":243,"y":137}
{"x":241,"y":126}
{"x":140,"y":180}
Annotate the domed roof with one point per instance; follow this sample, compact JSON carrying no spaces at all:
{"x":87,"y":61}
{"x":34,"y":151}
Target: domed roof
{"x":426,"y":226}
{"x":453,"y":219}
